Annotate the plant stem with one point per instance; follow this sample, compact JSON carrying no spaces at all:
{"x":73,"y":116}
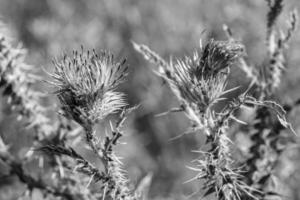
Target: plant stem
{"x":17,"y":168}
{"x":92,"y":142}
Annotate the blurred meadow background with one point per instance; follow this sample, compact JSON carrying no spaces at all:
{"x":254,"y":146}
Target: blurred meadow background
{"x":47,"y":28}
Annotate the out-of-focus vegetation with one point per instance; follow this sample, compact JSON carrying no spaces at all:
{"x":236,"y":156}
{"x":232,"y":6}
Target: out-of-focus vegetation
{"x":49,"y":27}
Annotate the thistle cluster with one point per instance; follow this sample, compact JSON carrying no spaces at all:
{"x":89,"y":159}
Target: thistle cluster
{"x":86,"y":83}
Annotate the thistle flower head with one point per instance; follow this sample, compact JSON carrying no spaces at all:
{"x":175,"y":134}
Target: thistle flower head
{"x":197,"y":91}
{"x":86,"y":85}
{"x":218,"y":55}
{"x":200,"y":80}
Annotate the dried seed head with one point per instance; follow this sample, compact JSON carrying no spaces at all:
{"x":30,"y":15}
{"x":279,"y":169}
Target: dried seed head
{"x":86,"y":86}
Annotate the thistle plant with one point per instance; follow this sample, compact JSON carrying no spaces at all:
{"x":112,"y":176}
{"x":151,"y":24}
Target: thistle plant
{"x":85,"y":85}
{"x":17,"y":79}
{"x":268,"y":130}
{"x":199,"y":82}
{"x":86,"y":88}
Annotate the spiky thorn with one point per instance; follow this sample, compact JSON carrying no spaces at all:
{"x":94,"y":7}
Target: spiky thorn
{"x":82,"y":165}
{"x":17,"y":169}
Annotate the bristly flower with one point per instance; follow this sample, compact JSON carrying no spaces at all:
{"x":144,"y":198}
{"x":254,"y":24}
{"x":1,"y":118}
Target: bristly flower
{"x":218,"y":55}
{"x":86,"y":86}
{"x":200,"y":80}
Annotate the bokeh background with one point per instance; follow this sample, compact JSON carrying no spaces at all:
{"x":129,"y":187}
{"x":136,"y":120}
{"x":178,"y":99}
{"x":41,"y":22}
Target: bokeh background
{"x":47,"y":28}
